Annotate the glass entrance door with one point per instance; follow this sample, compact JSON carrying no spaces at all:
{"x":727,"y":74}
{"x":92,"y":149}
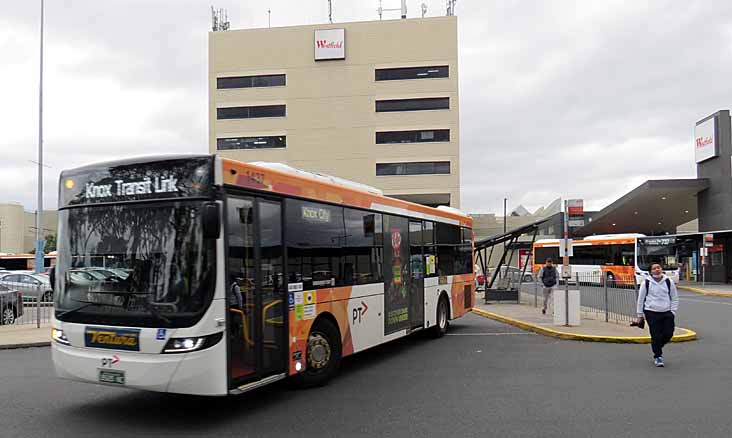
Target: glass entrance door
{"x":255,"y":289}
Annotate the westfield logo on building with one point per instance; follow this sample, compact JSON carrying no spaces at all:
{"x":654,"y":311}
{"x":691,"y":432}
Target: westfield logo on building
{"x":703,"y":141}
{"x":325,"y":44}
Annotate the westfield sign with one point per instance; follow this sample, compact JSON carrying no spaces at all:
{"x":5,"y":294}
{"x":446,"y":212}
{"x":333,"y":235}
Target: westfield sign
{"x":324,"y":44}
{"x":703,"y":141}
{"x":330,"y":44}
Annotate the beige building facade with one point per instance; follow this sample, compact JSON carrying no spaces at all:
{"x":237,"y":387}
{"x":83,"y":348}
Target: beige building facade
{"x":375,"y":102}
{"x":18,"y":228}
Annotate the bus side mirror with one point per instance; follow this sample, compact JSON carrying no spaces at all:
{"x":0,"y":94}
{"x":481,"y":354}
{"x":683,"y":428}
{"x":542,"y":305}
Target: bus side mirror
{"x":211,"y":221}
{"x":52,"y":278}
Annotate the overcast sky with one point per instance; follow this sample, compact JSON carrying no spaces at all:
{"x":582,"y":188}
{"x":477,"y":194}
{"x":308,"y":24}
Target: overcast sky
{"x":557,"y":98}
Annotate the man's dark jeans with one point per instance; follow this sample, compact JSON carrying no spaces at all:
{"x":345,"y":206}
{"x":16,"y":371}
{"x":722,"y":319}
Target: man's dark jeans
{"x":661,"y":325}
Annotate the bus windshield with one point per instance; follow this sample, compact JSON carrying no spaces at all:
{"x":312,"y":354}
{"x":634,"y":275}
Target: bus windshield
{"x":660,"y":250}
{"x":144,"y":265}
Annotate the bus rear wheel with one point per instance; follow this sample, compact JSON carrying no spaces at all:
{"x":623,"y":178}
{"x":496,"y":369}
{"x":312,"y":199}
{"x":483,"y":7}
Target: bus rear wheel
{"x":442,"y":319}
{"x":323,"y":355}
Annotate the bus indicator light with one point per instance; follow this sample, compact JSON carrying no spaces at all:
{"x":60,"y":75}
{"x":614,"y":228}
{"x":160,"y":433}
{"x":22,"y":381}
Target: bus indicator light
{"x":69,"y":184}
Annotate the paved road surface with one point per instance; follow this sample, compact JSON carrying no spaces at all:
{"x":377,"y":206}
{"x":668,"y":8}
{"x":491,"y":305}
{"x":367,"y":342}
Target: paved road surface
{"x":488,"y":379}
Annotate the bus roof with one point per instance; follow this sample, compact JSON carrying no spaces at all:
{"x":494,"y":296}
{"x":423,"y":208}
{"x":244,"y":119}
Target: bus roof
{"x":279,"y":178}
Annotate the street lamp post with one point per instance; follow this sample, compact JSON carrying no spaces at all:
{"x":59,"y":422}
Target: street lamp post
{"x":39,"y":209}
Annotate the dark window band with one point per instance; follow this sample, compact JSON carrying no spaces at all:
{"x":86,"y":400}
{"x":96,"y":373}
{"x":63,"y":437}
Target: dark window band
{"x":430,"y":103}
{"x":250,"y":112}
{"x":421,"y":136}
{"x":393,"y":74}
{"x":250,"y":81}
{"x":223,"y":144}
{"x":414,"y":168}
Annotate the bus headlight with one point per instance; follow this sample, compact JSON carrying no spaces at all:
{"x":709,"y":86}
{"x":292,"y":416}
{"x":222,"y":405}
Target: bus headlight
{"x":59,"y":336}
{"x":186,"y":345}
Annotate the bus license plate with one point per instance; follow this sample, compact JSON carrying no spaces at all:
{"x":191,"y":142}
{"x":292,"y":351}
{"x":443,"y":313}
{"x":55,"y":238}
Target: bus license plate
{"x":113,"y":377}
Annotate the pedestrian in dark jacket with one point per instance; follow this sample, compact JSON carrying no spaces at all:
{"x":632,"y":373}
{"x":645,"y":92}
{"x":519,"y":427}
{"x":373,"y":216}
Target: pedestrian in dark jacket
{"x":549,"y":278}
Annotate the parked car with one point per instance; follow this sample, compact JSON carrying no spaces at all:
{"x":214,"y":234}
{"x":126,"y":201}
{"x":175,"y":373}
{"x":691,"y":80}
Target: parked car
{"x":11,"y":305}
{"x":30,"y":284}
{"x":515,"y":273}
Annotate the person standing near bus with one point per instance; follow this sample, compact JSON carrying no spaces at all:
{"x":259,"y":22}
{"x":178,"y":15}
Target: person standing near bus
{"x":549,"y":278}
{"x":658,"y":301}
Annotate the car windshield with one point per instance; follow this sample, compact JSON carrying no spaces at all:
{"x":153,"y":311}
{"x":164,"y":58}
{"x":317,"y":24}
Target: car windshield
{"x":170,"y":265}
{"x":660,"y":250}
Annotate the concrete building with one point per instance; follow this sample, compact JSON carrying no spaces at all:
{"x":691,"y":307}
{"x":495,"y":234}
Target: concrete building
{"x":18,"y":228}
{"x":375,"y":102}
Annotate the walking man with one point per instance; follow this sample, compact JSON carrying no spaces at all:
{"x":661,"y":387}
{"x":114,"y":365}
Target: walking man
{"x":658,"y":301}
{"x":549,"y":278}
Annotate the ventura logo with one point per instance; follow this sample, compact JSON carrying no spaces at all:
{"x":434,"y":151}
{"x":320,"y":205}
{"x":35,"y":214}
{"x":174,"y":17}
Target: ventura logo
{"x":703,"y":141}
{"x":324,"y":44}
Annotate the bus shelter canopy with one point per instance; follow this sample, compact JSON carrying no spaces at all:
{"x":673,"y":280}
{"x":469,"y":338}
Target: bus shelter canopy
{"x":654,"y":207}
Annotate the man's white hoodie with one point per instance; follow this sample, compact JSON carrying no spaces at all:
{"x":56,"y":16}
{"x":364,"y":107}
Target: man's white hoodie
{"x":657,"y":298}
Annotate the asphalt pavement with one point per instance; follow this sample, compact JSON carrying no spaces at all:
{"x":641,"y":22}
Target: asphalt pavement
{"x":485,"y":379}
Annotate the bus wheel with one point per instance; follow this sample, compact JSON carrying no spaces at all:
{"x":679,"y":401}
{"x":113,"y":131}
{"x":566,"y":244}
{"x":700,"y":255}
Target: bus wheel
{"x":610,"y":279}
{"x":323,"y":355}
{"x":443,"y":322}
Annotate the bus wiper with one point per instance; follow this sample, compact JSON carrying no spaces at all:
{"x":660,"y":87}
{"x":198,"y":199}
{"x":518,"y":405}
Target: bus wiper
{"x":83,"y":306}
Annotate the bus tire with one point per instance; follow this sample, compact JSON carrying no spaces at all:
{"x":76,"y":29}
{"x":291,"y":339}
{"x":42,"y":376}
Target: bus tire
{"x":323,"y":355}
{"x":442,"y":321}
{"x":610,"y":279}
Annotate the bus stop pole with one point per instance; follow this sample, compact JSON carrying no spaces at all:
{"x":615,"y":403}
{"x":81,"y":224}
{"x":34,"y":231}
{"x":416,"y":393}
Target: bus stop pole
{"x":565,"y":266}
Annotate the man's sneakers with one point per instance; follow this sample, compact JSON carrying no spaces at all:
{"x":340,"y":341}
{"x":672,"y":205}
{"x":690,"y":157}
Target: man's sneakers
{"x":658,"y":362}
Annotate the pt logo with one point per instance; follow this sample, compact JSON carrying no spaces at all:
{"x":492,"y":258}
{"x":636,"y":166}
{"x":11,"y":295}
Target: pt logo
{"x":107,"y":362}
{"x":359,"y":312}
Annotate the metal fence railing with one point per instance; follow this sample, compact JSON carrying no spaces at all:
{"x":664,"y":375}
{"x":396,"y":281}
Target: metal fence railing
{"x":25,"y":305}
{"x":612,"y":300}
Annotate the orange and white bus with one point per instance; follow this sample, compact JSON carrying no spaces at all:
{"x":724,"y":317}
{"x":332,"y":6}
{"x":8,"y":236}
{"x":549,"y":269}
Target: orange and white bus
{"x":236,"y":275}
{"x":613,"y":257}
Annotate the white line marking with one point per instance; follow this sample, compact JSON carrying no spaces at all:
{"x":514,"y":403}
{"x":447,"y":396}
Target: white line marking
{"x":705,"y":301}
{"x":490,"y":334}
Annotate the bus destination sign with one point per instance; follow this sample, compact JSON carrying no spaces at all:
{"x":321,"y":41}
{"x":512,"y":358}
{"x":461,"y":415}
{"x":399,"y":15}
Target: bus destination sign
{"x":162,"y":179}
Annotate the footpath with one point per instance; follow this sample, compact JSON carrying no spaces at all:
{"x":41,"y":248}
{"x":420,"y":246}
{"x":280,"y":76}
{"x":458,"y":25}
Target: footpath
{"x":530,"y":318}
{"x":25,"y":335}
{"x":712,"y":289}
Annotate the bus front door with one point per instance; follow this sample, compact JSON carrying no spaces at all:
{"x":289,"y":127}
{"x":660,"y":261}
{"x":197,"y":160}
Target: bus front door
{"x":416,"y":274}
{"x":255,"y":290}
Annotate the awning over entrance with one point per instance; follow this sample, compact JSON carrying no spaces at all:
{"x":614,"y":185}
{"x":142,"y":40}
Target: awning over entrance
{"x":655,"y":207}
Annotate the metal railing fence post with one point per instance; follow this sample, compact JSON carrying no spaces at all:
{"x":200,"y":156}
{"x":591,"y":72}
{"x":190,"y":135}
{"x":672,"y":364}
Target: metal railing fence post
{"x":607,"y":313}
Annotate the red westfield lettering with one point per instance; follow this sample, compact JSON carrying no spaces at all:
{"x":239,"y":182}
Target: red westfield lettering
{"x":325,"y":44}
{"x":703,"y":141}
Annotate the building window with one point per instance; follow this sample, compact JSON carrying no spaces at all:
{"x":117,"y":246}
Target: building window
{"x":224,"y":144}
{"x":430,"y":103}
{"x":431,"y":135}
{"x":250,"y":112}
{"x":417,"y":168}
{"x":393,"y":74}
{"x":251,"y":81}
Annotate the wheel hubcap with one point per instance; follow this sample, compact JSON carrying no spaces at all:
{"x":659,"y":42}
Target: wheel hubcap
{"x":318,"y":351}
{"x":8,"y":317}
{"x":443,"y":315}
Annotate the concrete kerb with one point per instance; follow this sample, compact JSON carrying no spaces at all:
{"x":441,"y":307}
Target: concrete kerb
{"x":688,"y":335}
{"x":706,"y":292}
{"x":26,"y":345}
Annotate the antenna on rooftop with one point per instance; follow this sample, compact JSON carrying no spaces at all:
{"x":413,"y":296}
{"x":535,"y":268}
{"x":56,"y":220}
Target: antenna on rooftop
{"x":402,"y":9}
{"x":219,"y":19}
{"x":424,"y":10}
{"x":451,"y":7}
{"x":330,"y":11}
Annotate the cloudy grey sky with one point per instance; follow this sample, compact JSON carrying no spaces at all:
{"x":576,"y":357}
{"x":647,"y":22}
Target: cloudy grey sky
{"x":558,"y":98}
